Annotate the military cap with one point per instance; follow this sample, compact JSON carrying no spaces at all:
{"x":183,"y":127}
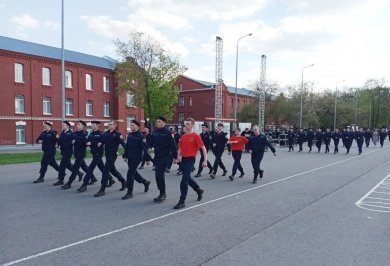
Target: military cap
{"x":135,"y":122}
{"x":83,"y":123}
{"x":48,"y":123}
{"x":95,"y":122}
{"x":162,"y":118}
{"x":66,"y":122}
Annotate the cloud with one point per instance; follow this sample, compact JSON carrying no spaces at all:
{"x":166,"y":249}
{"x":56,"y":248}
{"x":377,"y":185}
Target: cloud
{"x":25,"y":21}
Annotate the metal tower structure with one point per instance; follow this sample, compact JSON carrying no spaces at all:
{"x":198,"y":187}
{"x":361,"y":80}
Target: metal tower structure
{"x":262,"y":92}
{"x":218,"y":80}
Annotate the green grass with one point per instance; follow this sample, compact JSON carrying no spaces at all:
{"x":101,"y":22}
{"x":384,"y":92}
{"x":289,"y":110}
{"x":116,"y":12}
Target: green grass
{"x":30,"y":157}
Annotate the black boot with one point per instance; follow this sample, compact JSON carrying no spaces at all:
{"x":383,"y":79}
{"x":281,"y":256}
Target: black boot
{"x":83,"y":188}
{"x":59,"y":182}
{"x":198,"y":175}
{"x":92,"y":181}
{"x":124,"y":185}
{"x":242,"y":175}
{"x":111,"y":182}
{"x":67,"y":185}
{"x":128,"y":195}
{"x":224,"y":172}
{"x":39,"y":180}
{"x":100,"y":192}
{"x":231,"y":177}
{"x":261,"y":173}
{"x":179,"y":205}
{"x":160,"y":197}
{"x":254,"y":179}
{"x":80,"y":176}
{"x":146,"y":184}
{"x":200,"y":194}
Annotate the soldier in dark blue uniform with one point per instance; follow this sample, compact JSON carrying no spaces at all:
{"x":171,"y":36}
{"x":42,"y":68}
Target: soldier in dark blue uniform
{"x":291,"y":138}
{"x":318,"y":136}
{"x":135,"y":150}
{"x":256,"y":145}
{"x":382,"y":136}
{"x":111,"y":140}
{"x":310,"y":138}
{"x":147,"y":137}
{"x":359,"y":137}
{"x":164,"y":149}
{"x":65,"y":142}
{"x":336,"y":136}
{"x":206,"y":138}
{"x":347,"y":139}
{"x":301,"y":139}
{"x":327,"y":138}
{"x":94,"y":141}
{"x":367,"y":137}
{"x":48,"y":139}
{"x":218,"y":141}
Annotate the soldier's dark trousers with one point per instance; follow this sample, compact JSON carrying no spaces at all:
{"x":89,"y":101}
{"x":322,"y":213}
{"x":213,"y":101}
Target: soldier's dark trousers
{"x":96,"y":161}
{"x":256,"y":158}
{"x":360,"y":146}
{"x":48,"y":159}
{"x":218,"y":162}
{"x":132,"y":174}
{"x":65,"y":163}
{"x":336,"y":147}
{"x":237,"y":162}
{"x":161,"y":165}
{"x":76,"y":167}
{"x":187,"y":163}
{"x":381,"y":142}
{"x":290,"y":146}
{"x":200,"y":168}
{"x":318,"y":145}
{"x":326,"y":147}
{"x":109,"y":167}
{"x":310,"y":144}
{"x":367,"y":142}
{"x":348,"y":146}
{"x":300,"y":146}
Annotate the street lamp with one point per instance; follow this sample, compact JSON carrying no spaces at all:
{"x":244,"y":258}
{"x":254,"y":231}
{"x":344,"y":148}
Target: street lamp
{"x":300,"y":116}
{"x":235,"y":89}
{"x":335,"y":105}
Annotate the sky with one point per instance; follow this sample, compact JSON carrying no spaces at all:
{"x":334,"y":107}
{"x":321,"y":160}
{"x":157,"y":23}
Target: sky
{"x":345,"y":40}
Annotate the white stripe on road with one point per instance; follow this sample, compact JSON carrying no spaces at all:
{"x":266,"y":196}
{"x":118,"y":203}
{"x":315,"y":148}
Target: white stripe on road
{"x":179,"y":211}
{"x":365,"y":202}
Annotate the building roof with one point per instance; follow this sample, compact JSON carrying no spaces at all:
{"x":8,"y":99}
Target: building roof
{"x":240,"y":91}
{"x":30,"y":48}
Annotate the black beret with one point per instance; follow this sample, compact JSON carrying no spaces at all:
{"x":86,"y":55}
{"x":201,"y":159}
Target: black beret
{"x":136,"y":122}
{"x":205,"y":125}
{"x":48,"y":123}
{"x":220,"y":124}
{"x":66,"y":122}
{"x":83,"y":123}
{"x":95,"y":122}
{"x":162,"y":118}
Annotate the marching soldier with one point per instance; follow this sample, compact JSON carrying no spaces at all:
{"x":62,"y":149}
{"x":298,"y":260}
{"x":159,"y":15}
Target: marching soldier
{"x":348,"y":139}
{"x":164,"y":149}
{"x":310,"y":138}
{"x":318,"y":136}
{"x":359,"y":136}
{"x":382,"y":136}
{"x":237,"y":145}
{"x":301,"y":139}
{"x":48,"y":139}
{"x":256,"y":145}
{"x":291,"y":138}
{"x":336,"y":136}
{"x":218,"y":141}
{"x":111,"y":140}
{"x":206,"y":139}
{"x":367,"y":137}
{"x":135,"y":149}
{"x":327,"y":139}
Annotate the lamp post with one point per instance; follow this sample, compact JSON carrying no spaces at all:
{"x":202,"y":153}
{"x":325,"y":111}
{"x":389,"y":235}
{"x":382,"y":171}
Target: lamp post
{"x":300,"y":116}
{"x":335,"y":105}
{"x":235,"y":89}
{"x":63,"y":111}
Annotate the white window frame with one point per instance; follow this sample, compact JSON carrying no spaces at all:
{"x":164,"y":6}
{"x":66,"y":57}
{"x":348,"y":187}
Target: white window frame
{"x":106,"y":109}
{"x":19,"y":73}
{"x":68,"y":79}
{"x":46,"y":76}
{"x":87,"y":109}
{"x":181,"y":117}
{"x":20,"y":134}
{"x":69,"y":106}
{"x":181,"y":101}
{"x":19,"y":104}
{"x":106,"y":84}
{"x":88,"y":82}
{"x":130,"y":98}
{"x":190,"y":101}
{"x":46,"y":103}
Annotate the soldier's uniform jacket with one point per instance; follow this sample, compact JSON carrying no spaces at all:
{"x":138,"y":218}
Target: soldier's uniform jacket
{"x":80,"y":144}
{"x":96,"y":137}
{"x":347,"y":137}
{"x":319,"y":136}
{"x":136,"y":146}
{"x":206,"y":138}
{"x":327,"y":137}
{"x":368,"y":134}
{"x":359,"y":136}
{"x":257,"y":144}
{"x":290,"y":135}
{"x":49,"y":141}
{"x":310,"y":136}
{"x":163,"y":143}
{"x":65,"y":141}
{"x":336,"y":137}
{"x":220,"y":140}
{"x":301,"y":137}
{"x":111,"y":141}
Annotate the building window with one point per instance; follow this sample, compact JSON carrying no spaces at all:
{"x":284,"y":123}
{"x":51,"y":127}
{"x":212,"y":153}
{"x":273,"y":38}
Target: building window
{"x":46,"y":76}
{"x":69,"y":107}
{"x":68,"y":79}
{"x":181,"y":101}
{"x":89,"y":108}
{"x":46,"y":105}
{"x":129,"y":118}
{"x":88,"y":82}
{"x":20,"y":134}
{"x":181,"y":86}
{"x":19,"y":104}
{"x":130,"y":99}
{"x":19,"y":73}
{"x":106,"y":109}
{"x":181,"y":117}
{"x":106,"y":84}
{"x":190,"y":101}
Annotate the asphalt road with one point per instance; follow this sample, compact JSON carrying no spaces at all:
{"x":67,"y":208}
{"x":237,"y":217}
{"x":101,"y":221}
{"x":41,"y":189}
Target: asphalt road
{"x":309,"y":209}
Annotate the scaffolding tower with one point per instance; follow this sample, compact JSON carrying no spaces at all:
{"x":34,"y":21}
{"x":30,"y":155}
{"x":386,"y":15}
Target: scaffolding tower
{"x":218,"y":80}
{"x":262,"y":92}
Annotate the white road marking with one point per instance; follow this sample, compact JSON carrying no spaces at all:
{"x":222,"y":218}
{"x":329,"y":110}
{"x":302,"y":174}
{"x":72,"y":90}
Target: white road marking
{"x":366,"y":203}
{"x":179,"y":211}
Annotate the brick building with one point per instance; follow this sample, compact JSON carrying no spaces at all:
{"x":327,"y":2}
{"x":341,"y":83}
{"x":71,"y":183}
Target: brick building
{"x":30,"y":85}
{"x":197,"y":100}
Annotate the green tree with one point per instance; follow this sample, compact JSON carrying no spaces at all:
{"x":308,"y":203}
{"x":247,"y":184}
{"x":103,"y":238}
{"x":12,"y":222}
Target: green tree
{"x":148,"y":72}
